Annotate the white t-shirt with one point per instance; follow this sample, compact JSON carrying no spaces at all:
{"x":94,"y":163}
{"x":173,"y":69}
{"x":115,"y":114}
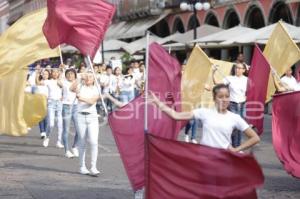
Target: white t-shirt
{"x":43,"y":90}
{"x":291,"y":82}
{"x":31,"y":78}
{"x":128,"y":84}
{"x":112,"y":83}
{"x":237,"y":88}
{"x":54,"y":91}
{"x":218,"y":127}
{"x":69,"y":97}
{"x":87,"y":92}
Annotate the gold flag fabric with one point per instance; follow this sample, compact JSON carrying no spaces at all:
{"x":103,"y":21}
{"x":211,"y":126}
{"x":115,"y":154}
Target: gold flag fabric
{"x":11,"y":104}
{"x":35,"y":109}
{"x":24,"y":43}
{"x":194,"y":77}
{"x":281,"y":52}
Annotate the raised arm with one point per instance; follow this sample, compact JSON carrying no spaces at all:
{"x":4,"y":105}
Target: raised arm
{"x":169,"y":111}
{"x":214,"y":75}
{"x":37,"y":78}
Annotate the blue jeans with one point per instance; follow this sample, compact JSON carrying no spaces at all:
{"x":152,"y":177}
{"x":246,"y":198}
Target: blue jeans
{"x":43,"y":125}
{"x":191,"y":124}
{"x":126,"y":96}
{"x":69,"y":112}
{"x":238,"y":108}
{"x":54,"y":111}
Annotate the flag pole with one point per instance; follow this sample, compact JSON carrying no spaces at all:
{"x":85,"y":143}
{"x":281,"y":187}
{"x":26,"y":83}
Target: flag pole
{"x":97,"y":84}
{"x":60,"y":55}
{"x":146,"y":83}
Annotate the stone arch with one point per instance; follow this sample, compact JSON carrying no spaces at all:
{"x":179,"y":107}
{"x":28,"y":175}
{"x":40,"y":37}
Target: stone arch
{"x":280,"y":10}
{"x":212,"y":19}
{"x":298,"y":16}
{"x":254,"y":17}
{"x":161,"y":29}
{"x":231,"y":19}
{"x":178,"y":26}
{"x":193,"y":22}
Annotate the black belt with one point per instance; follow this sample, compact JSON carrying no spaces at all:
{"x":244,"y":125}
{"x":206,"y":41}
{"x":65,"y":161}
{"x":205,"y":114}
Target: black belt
{"x":237,"y":103}
{"x":84,"y":113}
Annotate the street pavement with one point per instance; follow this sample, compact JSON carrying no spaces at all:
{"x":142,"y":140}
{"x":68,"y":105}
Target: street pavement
{"x":30,"y":171}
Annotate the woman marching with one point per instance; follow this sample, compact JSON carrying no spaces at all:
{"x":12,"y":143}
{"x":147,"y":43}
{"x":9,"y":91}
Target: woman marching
{"x":41,"y":76}
{"x":54,"y":107}
{"x":88,"y":124}
{"x":237,"y":85}
{"x":69,"y":112}
{"x":215,"y":134}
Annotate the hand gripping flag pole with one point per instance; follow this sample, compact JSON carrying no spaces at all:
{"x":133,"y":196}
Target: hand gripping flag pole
{"x":97,"y":84}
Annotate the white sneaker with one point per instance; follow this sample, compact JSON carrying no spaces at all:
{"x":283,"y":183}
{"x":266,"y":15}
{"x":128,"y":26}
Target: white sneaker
{"x":68,"y":154}
{"x":194,"y":141}
{"x":84,"y":171}
{"x":59,"y":145}
{"x":94,"y":171}
{"x":75,"y":152}
{"x":187,"y":138}
{"x":46,"y":142}
{"x":139,"y":194}
{"x":43,"y":135}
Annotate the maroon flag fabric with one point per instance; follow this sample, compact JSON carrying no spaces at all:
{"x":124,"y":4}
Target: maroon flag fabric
{"x":286,"y":130}
{"x":127,"y":123}
{"x":257,"y":89}
{"x":181,"y":170}
{"x":80,"y":23}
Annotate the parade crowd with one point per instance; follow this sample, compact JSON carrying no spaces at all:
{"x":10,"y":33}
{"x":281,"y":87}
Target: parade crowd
{"x":73,"y":98}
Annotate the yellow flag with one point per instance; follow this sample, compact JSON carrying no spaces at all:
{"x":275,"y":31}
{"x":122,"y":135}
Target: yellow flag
{"x":11,"y":104}
{"x":193,"y":79}
{"x":35,"y":109}
{"x":224,"y":70}
{"x":24,"y":43}
{"x":281,"y":52}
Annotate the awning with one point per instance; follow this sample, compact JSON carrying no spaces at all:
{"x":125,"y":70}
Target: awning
{"x":140,"y":44}
{"x":202,"y":31}
{"x":113,"y":44}
{"x":224,"y":35}
{"x":109,"y":45}
{"x":134,"y":28}
{"x":292,"y":1}
{"x":263,"y":34}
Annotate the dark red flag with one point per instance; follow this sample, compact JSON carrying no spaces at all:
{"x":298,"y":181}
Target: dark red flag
{"x":79,"y":23}
{"x":286,"y":130}
{"x":257,"y":89}
{"x":180,"y":170}
{"x":127,"y":123}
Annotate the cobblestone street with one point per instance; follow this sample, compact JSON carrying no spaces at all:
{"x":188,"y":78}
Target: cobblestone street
{"x":29,"y":171}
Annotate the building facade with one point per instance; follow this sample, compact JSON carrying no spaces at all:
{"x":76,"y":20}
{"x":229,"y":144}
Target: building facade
{"x":224,"y":13}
